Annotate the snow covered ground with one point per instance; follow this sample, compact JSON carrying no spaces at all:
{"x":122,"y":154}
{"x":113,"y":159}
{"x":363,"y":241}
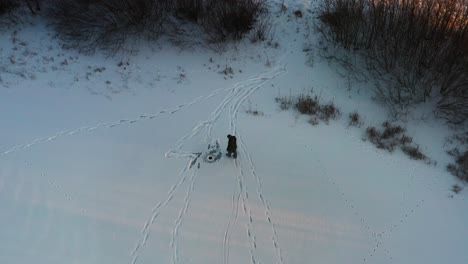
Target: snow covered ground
{"x":95,"y":155}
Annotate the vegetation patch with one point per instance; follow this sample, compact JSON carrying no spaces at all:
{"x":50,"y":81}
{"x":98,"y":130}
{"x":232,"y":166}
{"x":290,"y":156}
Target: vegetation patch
{"x":106,"y":24}
{"x":227,"y":19}
{"x":7,"y":6}
{"x":285,"y":102}
{"x":456,"y":188}
{"x":109,"y":24}
{"x":310,"y":105}
{"x":460,"y":167}
{"x":416,"y":50}
{"x":391,"y":137}
{"x":355,"y":119}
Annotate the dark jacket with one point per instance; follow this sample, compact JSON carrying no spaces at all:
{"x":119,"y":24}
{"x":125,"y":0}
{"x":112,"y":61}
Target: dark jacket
{"x":232,"y":145}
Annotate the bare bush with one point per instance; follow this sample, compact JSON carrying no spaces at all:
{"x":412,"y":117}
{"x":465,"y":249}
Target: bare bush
{"x":460,"y":168}
{"x":404,"y":140}
{"x":108,"y":24}
{"x":413,"y":152}
{"x":307,"y":105}
{"x":456,"y":188}
{"x":285,"y":102}
{"x":373,"y":134}
{"x":329,"y":111}
{"x":13,"y":12}
{"x":391,"y":137}
{"x":355,"y":119}
{"x":33,"y":6}
{"x":391,"y":131}
{"x":262,"y":30}
{"x":453,"y":105}
{"x":376,"y":137}
{"x":413,"y":47}
{"x":226,"y":19}
{"x":7,"y":6}
{"x":8,"y":14}
{"x":192,"y":10}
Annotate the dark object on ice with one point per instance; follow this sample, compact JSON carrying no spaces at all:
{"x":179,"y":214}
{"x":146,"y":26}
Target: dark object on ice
{"x":232,"y":146}
{"x":194,"y":159}
{"x":213,"y":154}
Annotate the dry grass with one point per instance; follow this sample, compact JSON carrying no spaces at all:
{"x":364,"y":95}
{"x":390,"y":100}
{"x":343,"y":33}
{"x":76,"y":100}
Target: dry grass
{"x":392,"y":137}
{"x":285,"y":102}
{"x":456,"y":188}
{"x":307,"y":105}
{"x":460,"y":167}
{"x":355,"y":119}
{"x":413,"y":152}
{"x":311,"y":106}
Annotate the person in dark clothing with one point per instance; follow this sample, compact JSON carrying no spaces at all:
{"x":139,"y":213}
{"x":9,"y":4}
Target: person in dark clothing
{"x":232,"y":146}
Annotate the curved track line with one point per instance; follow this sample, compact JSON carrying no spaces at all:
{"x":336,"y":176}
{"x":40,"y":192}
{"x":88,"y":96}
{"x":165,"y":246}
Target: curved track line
{"x":238,"y":93}
{"x":234,"y":109}
{"x":235,"y":89}
{"x":110,"y":124}
{"x":264,"y":201}
{"x":180,"y":217}
{"x":235,"y":213}
{"x":248,"y":213}
{"x":233,"y":113}
{"x":145,"y":232}
{"x":236,"y":96}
